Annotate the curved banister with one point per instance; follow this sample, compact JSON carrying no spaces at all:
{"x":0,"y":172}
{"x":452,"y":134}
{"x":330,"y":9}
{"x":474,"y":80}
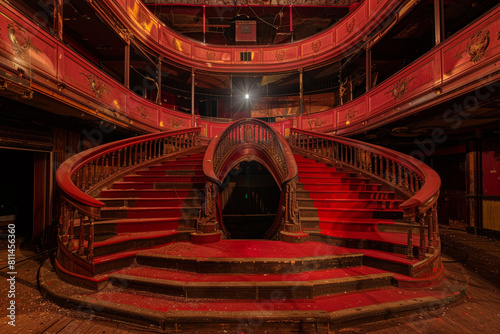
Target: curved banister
{"x":79,"y":175}
{"x":404,"y":173}
{"x":252,"y":137}
{"x":432,"y":181}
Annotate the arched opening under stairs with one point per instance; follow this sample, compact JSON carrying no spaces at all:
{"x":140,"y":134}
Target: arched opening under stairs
{"x":249,"y":201}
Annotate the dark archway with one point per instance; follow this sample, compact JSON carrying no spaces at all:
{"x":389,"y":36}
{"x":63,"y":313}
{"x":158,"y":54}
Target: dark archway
{"x":249,"y":201}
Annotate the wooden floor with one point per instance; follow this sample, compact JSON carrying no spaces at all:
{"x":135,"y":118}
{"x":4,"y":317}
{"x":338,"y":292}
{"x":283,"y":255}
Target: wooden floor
{"x":479,"y":313}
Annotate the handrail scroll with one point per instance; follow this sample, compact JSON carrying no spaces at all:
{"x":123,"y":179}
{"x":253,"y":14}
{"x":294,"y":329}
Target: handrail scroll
{"x":80,"y":177}
{"x":245,"y":140}
{"x":410,"y":177}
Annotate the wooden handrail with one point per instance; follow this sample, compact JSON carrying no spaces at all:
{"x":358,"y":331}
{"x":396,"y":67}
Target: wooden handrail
{"x":411,"y":177}
{"x":79,"y":175}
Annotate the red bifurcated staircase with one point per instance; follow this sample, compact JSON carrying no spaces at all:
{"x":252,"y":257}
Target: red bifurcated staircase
{"x":355,"y":265}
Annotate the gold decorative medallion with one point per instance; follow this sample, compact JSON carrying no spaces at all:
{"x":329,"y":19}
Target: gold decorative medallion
{"x":400,"y":88}
{"x":316,"y":46}
{"x":349,"y":25}
{"x":143,"y":112}
{"x":476,"y":47}
{"x":210,"y":55}
{"x":350,"y":114}
{"x":316,"y":122}
{"x":175,"y":122}
{"x":21,"y":42}
{"x":96,"y":85}
{"x":280,"y":55}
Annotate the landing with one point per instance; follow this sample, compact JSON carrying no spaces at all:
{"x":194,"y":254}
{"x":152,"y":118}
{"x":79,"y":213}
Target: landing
{"x":248,"y":249}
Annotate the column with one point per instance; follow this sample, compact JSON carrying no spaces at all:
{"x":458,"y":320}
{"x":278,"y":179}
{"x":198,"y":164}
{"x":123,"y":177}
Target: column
{"x":438,"y":22}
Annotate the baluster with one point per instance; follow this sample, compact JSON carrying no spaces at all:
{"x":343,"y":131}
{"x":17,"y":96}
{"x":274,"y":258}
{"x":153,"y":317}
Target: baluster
{"x":375,"y":164}
{"x":63,"y":224}
{"x":400,"y":176}
{"x":421,"y":249}
{"x":90,"y":255}
{"x":81,"y":242}
{"x":129,"y":149}
{"x":412,"y":182}
{"x":434,"y":225}
{"x":409,"y":242}
{"x":394,"y":179}
{"x":71,"y":224}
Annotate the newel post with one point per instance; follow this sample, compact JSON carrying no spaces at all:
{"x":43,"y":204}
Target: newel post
{"x":292,"y":229}
{"x":409,"y":217}
{"x":207,"y":229}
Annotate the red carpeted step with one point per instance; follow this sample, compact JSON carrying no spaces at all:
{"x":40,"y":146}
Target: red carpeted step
{"x":150,"y":224}
{"x":184,"y":276}
{"x":340,"y":187}
{"x":149,"y":212}
{"x":236,"y":286}
{"x":148,"y":193}
{"x":351,"y":203}
{"x":152,"y":202}
{"x":186,"y":166}
{"x":325,"y":174}
{"x":158,"y":185}
{"x":388,"y":195}
{"x":249,"y":249}
{"x":353,"y":213}
{"x":332,"y":303}
{"x":164,"y":178}
{"x":355,"y":225}
{"x":170,"y":172}
{"x":332,"y":180}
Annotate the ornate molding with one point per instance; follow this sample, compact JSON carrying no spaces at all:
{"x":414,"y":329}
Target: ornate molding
{"x":316,"y":46}
{"x":477,"y":46}
{"x":400,"y":88}
{"x":210,"y":55}
{"x":176,"y":122}
{"x":349,"y":25}
{"x":96,"y":85}
{"x":177,"y":44}
{"x":21,"y":42}
{"x":280,"y":55}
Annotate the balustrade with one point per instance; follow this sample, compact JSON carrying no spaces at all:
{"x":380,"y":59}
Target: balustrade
{"x":409,"y":176}
{"x":81,"y":174}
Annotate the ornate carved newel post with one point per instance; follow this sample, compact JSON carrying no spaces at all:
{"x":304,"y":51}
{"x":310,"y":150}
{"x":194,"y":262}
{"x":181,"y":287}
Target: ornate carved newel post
{"x":292,"y":229}
{"x":207,"y":226}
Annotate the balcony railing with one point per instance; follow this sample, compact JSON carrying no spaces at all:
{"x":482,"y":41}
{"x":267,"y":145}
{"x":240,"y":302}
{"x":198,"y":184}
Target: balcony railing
{"x":81,"y":176}
{"x":407,"y":175}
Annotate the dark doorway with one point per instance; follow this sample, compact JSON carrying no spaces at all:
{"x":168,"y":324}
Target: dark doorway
{"x":16,"y":188}
{"x":249,"y":201}
{"x":452,"y":205}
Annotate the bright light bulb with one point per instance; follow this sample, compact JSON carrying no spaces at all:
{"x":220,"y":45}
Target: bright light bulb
{"x":247,"y":96}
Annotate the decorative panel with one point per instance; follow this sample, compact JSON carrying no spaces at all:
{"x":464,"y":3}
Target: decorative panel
{"x":170,"y":120}
{"x":146,"y":113}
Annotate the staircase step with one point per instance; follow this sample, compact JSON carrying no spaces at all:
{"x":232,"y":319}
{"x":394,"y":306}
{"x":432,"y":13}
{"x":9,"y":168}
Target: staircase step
{"x":248,"y":257}
{"x":175,"y":172}
{"x":347,"y":194}
{"x":158,"y":185}
{"x":344,"y":224}
{"x":338,"y":186}
{"x":350,"y":203}
{"x":169,"y":167}
{"x":149,"y":212}
{"x":148,"y":224}
{"x":149,"y":193}
{"x":325,"y":174}
{"x":354,"y":213}
{"x":250,"y":286}
{"x":164,"y":179}
{"x":152,"y":202}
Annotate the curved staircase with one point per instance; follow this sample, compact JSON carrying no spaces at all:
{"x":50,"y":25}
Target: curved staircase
{"x":145,"y":267}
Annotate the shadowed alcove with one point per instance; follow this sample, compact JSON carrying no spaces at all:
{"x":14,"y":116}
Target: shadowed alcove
{"x":249,"y":201}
